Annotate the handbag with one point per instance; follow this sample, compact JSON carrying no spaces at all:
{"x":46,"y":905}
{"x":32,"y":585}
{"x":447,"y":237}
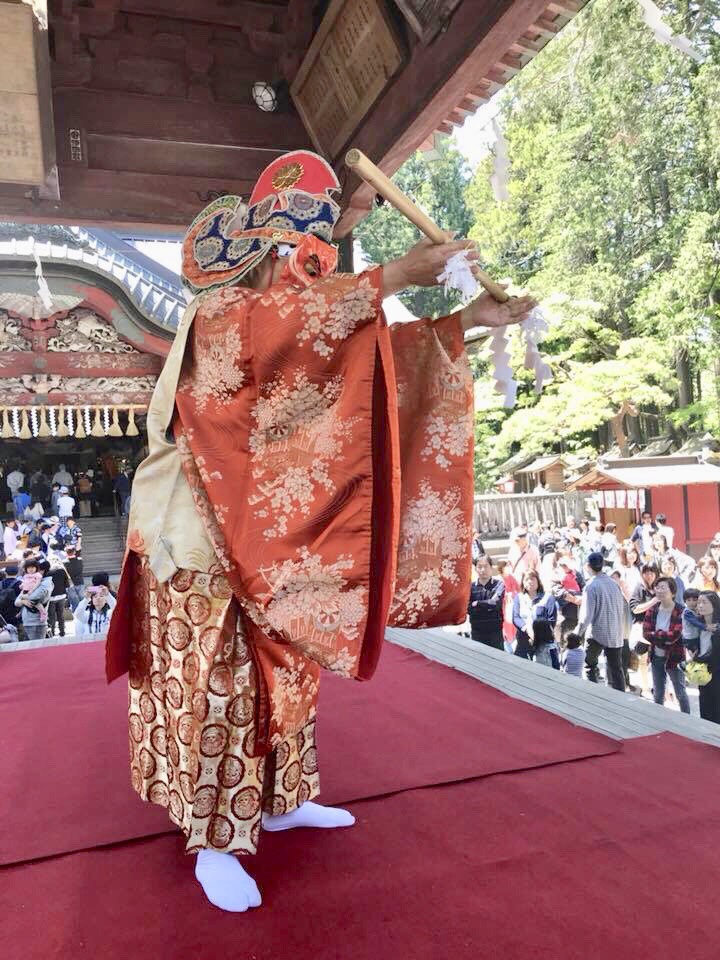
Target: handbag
{"x":638,"y":644}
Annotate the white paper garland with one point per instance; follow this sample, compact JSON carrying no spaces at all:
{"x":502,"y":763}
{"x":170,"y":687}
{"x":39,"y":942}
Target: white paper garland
{"x":458,"y":276}
{"x":34,"y":421}
{"x":106,"y":420}
{"x":69,"y":422}
{"x":16,"y":421}
{"x":52,"y":421}
{"x":88,"y":425}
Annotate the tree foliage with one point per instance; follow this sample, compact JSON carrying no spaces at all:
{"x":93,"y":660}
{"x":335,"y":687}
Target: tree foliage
{"x":438,"y":187}
{"x":612,"y":220}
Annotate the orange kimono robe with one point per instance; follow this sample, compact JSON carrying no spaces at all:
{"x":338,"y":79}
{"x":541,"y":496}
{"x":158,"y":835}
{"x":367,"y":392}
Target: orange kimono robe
{"x":330,"y":459}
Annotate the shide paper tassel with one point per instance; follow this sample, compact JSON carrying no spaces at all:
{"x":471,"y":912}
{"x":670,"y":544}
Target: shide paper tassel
{"x":458,"y":276}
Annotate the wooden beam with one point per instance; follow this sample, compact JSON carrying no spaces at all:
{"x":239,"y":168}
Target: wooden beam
{"x":421,"y":98}
{"x":114,"y":113}
{"x":246,"y":14}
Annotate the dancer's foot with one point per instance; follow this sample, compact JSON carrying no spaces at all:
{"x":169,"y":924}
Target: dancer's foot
{"x":309,"y":814}
{"x":225,"y":882}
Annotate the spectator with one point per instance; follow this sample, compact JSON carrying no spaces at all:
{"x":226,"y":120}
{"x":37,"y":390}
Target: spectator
{"x":692,"y":627}
{"x":547,"y":540}
{"x":643,"y":533}
{"x":93,"y":619}
{"x":487,"y":595}
{"x":574,"y":657}
{"x":570,"y":526}
{"x":15,"y":481}
{"x":69,"y":534}
{"x":663,"y":630}
{"x":708,"y":608}
{"x":21,"y":503}
{"x":642,"y":600}
{"x":609,"y":544}
{"x":56,"y":608}
{"x":62,"y":478}
{"x":66,"y":504}
{"x":9,"y":590}
{"x":530,"y":605}
{"x":521,"y":556}
{"x":568,"y":593}
{"x":512,"y":588}
{"x":706,"y":577}
{"x":669,"y":568}
{"x":33,"y":603}
{"x":626,"y":654}
{"x":534,"y":531}
{"x":628,"y":566}
{"x":74,"y":567}
{"x":714,"y":551}
{"x":477,"y":547}
{"x":40,"y":491}
{"x":663,"y":528}
{"x":121,"y":487}
{"x":54,"y":497}
{"x":102,"y":579}
{"x":10,"y":537}
{"x":602,"y":622}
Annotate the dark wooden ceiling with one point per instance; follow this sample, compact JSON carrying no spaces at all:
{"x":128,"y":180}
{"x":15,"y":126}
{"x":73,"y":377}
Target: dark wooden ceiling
{"x":153,"y":110}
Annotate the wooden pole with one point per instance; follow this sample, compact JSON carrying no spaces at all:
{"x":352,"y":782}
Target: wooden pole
{"x":367,"y":171}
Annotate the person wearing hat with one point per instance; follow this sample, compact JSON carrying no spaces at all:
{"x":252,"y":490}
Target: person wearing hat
{"x":309,"y":479}
{"x":34,"y":598}
{"x":65,"y":504}
{"x":603,"y":621}
{"x":522,"y":556}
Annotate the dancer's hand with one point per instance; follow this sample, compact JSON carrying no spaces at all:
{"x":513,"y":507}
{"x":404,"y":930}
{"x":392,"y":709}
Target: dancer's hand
{"x":422,"y":264}
{"x":485,"y":311}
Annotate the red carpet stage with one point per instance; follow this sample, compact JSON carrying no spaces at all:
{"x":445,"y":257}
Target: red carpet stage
{"x":63,"y":740}
{"x":610,"y":857}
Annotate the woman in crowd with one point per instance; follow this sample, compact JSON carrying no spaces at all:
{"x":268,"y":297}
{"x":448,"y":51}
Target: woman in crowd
{"x":34,"y":596}
{"x":93,"y":620}
{"x":628,"y":566}
{"x":707,"y":574}
{"x":708,"y":609}
{"x":669,"y":568}
{"x":714,"y":551}
{"x":609,"y":545}
{"x":663,"y":630}
{"x":530,"y":605}
{"x":512,"y":588}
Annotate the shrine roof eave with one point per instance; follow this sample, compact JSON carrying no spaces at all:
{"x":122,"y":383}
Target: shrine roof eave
{"x":93,"y":288}
{"x":152,"y":294}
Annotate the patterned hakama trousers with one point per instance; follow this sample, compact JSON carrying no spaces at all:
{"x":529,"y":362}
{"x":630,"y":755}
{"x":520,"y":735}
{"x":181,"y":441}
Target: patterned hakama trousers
{"x":192,"y":692}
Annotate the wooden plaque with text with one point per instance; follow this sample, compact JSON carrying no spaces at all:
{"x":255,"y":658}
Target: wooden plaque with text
{"x":351,"y":60}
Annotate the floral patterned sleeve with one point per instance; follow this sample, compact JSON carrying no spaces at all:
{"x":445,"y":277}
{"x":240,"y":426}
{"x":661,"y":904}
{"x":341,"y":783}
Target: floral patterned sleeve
{"x":435,"y":412}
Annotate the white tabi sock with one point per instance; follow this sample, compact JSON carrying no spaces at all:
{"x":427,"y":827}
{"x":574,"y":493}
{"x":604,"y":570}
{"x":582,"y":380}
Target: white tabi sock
{"x":309,"y":814}
{"x":225,"y":882}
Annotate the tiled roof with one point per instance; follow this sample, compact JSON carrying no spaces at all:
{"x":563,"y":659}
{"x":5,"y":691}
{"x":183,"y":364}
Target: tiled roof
{"x":155,"y":291}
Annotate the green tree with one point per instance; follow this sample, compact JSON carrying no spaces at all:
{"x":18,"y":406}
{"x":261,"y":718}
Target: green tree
{"x":613,"y":221}
{"x":438,"y":186}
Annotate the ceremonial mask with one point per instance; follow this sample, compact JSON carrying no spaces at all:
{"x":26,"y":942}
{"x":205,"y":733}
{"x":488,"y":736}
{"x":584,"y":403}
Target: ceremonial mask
{"x":291,"y":203}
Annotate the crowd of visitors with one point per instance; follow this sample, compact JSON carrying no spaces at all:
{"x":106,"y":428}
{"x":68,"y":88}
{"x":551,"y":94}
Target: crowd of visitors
{"x":569,"y":596}
{"x":32,"y":495}
{"x":43,"y":583}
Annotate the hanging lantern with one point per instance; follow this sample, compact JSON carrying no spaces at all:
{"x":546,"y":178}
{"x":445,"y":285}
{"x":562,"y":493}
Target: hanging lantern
{"x":114,"y":430}
{"x":34,"y":421}
{"x":97,"y":429}
{"x":25,"y":432}
{"x":7,"y":430}
{"x":44,"y":430}
{"x":80,"y":429}
{"x":132,"y":430}
{"x":16,"y":421}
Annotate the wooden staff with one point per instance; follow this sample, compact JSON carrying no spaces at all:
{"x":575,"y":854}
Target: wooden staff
{"x":367,"y":171}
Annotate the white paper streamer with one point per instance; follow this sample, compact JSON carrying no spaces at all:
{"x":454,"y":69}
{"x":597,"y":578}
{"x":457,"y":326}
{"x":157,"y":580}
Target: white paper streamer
{"x":53,"y":423}
{"x":69,"y":421}
{"x":106,"y":419}
{"x":43,"y":288}
{"x":458,"y":276}
{"x":34,"y":421}
{"x":88,"y":425}
{"x":652,"y":15}
{"x":16,"y":421}
{"x":501,"y":164}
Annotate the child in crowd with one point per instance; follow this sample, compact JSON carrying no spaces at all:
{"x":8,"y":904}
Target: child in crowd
{"x":693,"y":624}
{"x":545,"y":646}
{"x":574,"y":659}
{"x":30,"y":580}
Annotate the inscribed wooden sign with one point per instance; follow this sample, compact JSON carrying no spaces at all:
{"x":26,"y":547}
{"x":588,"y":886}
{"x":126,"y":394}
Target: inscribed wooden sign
{"x":22,"y":153}
{"x":351,"y":60}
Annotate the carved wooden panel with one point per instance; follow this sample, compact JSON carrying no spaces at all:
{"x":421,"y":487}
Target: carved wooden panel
{"x":350,"y":62}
